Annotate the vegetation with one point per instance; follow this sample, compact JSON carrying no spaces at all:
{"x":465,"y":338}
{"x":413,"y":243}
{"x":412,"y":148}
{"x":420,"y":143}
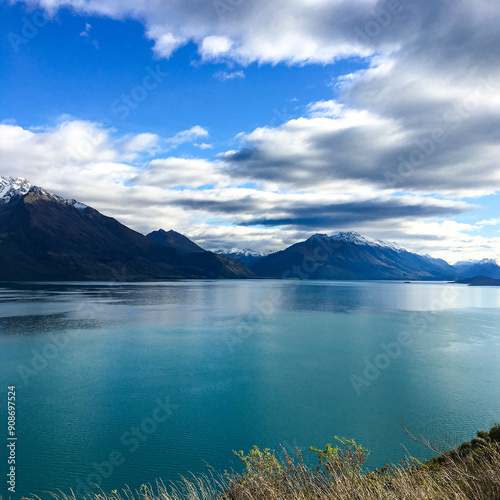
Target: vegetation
{"x":470,"y":471}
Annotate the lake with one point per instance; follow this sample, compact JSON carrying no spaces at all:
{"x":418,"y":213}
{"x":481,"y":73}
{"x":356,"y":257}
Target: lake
{"x":125,"y":383}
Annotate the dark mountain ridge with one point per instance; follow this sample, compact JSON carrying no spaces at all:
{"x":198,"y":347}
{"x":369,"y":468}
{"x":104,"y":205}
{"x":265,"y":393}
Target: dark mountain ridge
{"x":173,"y":239}
{"x":44,"y":237}
{"x":351,"y":256}
{"x":480,"y":281}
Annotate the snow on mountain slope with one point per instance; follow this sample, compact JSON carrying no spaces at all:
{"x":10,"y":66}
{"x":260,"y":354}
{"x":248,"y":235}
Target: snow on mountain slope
{"x":248,"y":257}
{"x":474,"y":262}
{"x":360,"y":239}
{"x":77,"y":204}
{"x":484,"y":267}
{"x":243,"y":252}
{"x":10,"y":187}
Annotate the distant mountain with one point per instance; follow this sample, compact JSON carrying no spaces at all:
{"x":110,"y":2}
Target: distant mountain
{"x":172,"y":239}
{"x":218,"y":264}
{"x":248,"y":257}
{"x":45,"y":237}
{"x":485,"y":267}
{"x":480,"y":281}
{"x":351,"y":256}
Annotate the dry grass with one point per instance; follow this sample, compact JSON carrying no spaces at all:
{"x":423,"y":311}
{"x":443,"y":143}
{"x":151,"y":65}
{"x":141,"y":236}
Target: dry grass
{"x":471,"y":471}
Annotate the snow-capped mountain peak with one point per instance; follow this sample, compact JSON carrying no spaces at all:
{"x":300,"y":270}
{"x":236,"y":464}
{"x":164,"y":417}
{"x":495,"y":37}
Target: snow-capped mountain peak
{"x":474,"y":262}
{"x":19,"y":186}
{"x":248,"y":257}
{"x":359,"y":239}
{"x":10,"y":187}
{"x":242,"y":252}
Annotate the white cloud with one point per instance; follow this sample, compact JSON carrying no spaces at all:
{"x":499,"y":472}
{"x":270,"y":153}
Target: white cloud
{"x":257,"y":30}
{"x":225,"y":75}
{"x":141,"y":143}
{"x":188,"y":135}
{"x":391,"y":130}
{"x":488,"y":222}
{"x":165,"y":43}
{"x":85,"y":32}
{"x":204,"y":145}
{"x":325,"y":109}
{"x":301,"y":31}
{"x":179,"y":172}
{"x":212,"y":47}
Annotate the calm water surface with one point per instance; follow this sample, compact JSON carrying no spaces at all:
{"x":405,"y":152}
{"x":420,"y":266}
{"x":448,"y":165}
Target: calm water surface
{"x":168,"y":378}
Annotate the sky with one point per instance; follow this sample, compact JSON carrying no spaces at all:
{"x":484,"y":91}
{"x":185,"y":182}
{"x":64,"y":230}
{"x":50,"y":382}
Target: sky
{"x":257,"y":123}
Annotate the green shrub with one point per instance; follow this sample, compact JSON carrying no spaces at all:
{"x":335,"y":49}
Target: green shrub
{"x":477,"y":442}
{"x":349,"y":457}
{"x":495,"y":433}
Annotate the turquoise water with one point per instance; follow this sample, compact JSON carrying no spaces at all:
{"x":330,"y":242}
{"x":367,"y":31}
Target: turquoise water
{"x":125,"y":383}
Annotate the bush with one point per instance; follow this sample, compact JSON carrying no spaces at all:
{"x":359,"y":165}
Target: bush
{"x":495,"y":433}
{"x":483,"y":435}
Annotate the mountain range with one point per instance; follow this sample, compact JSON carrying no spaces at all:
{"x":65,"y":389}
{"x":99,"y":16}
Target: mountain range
{"x":46,"y":237}
{"x":485,"y":267}
{"x":350,"y":255}
{"x":248,"y":257}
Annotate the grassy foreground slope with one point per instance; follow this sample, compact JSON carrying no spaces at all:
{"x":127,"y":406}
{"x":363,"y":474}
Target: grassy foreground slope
{"x":471,"y":471}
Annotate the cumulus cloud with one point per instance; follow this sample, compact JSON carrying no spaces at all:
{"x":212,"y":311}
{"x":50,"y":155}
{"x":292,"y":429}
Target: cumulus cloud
{"x":424,"y":117}
{"x":213,"y":47}
{"x":299,"y":31}
{"x":256,"y":30}
{"x":141,"y":143}
{"x":165,"y":42}
{"x":488,"y":222}
{"x":179,"y":172}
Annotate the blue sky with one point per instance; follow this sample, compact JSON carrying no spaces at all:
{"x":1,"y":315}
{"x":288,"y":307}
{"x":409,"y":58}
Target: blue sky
{"x":256,"y":124}
{"x":61,"y":72}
